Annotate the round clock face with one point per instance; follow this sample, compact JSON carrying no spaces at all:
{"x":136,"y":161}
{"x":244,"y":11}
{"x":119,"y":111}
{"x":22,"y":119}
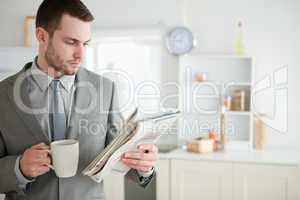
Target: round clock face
{"x":180,"y":41}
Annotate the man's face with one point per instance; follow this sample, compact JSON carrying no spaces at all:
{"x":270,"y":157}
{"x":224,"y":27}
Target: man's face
{"x":66,"y":48}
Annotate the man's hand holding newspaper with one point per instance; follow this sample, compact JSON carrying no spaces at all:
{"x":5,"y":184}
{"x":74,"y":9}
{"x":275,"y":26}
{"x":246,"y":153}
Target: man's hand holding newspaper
{"x":134,"y":148}
{"x":143,"y":159}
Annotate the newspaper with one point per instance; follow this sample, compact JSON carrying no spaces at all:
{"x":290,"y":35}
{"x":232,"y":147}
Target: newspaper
{"x":127,"y":140}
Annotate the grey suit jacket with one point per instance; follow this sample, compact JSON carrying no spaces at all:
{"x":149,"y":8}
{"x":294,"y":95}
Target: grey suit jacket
{"x":94,"y":122}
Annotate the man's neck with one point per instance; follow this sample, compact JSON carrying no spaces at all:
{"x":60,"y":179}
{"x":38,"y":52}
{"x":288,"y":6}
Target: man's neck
{"x":43,"y":66}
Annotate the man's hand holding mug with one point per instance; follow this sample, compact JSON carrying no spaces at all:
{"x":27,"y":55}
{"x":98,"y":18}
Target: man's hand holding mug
{"x":35,"y":161}
{"x":64,"y":153}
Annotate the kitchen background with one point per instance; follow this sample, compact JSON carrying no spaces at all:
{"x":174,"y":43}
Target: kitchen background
{"x":271,"y":30}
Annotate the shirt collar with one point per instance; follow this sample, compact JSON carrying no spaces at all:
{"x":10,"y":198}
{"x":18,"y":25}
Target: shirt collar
{"x":43,"y":80}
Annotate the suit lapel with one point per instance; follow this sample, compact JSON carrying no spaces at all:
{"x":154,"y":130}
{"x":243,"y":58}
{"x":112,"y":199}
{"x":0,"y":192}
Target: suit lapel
{"x":82,"y":100}
{"x":19,"y":97}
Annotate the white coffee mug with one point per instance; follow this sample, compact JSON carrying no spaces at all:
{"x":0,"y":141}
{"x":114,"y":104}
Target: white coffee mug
{"x":65,"y":156}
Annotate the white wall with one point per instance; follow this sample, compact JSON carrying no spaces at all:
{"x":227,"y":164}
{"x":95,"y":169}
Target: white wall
{"x":11,"y":19}
{"x":116,"y":13}
{"x":271,"y":35}
{"x":108,"y":14}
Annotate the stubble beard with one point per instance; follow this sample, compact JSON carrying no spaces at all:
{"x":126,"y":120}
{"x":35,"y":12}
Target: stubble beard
{"x":55,"y":62}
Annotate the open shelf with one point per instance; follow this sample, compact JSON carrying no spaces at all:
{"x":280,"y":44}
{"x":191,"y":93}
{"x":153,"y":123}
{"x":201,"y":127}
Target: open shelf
{"x":219,"y":55}
{"x":227,"y":75}
{"x":238,"y":113}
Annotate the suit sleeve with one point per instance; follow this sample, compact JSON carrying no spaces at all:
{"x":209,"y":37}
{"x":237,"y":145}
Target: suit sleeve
{"x":22,"y":180}
{"x":8,"y":180}
{"x":115,"y":121}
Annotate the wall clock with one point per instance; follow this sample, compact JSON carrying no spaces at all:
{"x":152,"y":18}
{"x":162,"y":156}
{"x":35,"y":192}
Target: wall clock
{"x":180,"y":41}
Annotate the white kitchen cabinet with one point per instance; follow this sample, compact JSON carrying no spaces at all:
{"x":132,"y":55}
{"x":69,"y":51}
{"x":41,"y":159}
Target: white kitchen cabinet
{"x":262,"y":182}
{"x":163,"y":180}
{"x":229,"y":175}
{"x":195,"y":180}
{"x":114,"y":185}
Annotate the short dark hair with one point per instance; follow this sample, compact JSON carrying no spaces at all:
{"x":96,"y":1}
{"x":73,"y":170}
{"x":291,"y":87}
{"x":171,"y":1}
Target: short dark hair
{"x":50,"y":13}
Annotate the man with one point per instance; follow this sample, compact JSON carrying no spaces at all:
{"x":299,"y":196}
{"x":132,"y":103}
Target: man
{"x":52,"y":98}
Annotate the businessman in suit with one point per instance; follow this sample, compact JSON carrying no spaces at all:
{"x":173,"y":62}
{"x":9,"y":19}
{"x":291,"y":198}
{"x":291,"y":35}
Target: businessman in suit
{"x":53,"y":98}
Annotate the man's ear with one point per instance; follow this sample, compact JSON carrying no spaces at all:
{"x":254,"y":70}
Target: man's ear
{"x":42,"y":36}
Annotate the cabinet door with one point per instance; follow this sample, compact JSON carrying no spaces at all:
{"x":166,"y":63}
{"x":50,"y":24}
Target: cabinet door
{"x":262,"y":182}
{"x":200,"y":180}
{"x":163,"y":180}
{"x":114,"y":188}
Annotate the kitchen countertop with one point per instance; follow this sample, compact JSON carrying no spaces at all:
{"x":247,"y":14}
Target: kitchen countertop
{"x":276,"y":156}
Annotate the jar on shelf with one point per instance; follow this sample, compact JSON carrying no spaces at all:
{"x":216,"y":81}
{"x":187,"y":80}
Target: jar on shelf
{"x":200,"y":76}
{"x":227,"y":102}
{"x":259,"y":132}
{"x":238,"y":102}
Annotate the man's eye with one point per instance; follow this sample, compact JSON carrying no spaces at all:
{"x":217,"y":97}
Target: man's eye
{"x":86,"y":44}
{"x":70,"y":42}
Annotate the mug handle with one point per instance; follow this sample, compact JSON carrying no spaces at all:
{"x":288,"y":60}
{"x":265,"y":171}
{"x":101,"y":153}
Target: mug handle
{"x":51,"y":167}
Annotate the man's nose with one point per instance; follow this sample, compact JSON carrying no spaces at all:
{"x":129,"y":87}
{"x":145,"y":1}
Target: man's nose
{"x":79,"y":51}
